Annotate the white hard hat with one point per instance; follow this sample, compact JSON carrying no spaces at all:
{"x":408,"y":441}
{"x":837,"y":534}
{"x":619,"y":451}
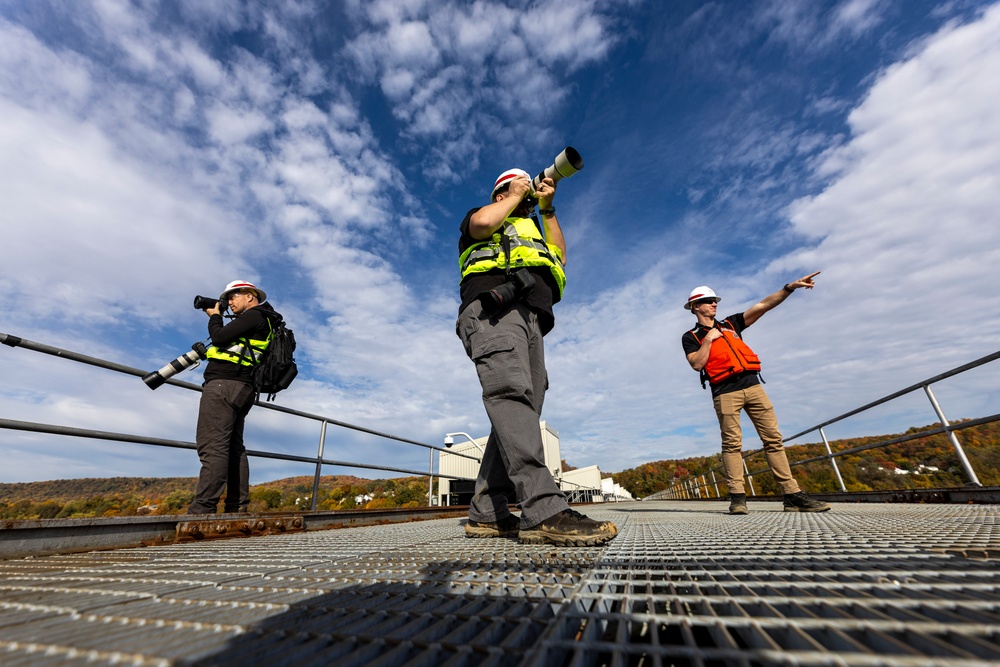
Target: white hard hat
{"x":506,"y":177}
{"x":700,"y":293}
{"x":242,"y":284}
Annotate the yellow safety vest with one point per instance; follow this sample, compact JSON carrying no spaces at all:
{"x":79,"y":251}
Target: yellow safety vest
{"x":241,"y":353}
{"x":527,"y":248}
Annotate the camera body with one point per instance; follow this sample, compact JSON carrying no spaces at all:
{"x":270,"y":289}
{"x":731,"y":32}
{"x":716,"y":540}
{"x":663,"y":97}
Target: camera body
{"x":187,"y":360}
{"x":519,"y":285}
{"x":205,"y":302}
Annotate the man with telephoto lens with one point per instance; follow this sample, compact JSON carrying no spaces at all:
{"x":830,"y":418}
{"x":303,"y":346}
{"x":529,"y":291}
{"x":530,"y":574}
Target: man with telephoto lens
{"x":227,"y":396}
{"x":503,"y":316}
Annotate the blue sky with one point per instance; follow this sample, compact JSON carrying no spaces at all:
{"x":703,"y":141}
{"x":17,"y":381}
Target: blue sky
{"x":327,"y":151}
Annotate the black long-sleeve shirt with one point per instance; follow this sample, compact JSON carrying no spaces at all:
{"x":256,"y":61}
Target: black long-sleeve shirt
{"x":250,"y":323}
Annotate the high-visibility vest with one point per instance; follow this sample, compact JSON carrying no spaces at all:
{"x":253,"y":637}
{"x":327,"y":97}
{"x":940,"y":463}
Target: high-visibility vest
{"x":728,"y":356}
{"x":527,"y":248}
{"x":244,"y":351}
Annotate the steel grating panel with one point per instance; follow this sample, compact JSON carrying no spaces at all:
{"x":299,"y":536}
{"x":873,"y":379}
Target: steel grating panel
{"x":683,"y":584}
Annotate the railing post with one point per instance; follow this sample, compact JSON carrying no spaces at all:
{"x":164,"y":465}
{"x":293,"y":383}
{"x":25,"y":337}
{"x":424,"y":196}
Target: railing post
{"x":430,"y":479}
{"x":716,"y":485}
{"x":746,"y":471}
{"x":833,"y":461}
{"x":969,"y":472}
{"x":319,"y":465}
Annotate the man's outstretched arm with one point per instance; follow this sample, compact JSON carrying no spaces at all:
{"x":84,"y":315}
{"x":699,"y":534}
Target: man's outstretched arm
{"x":753,"y":313}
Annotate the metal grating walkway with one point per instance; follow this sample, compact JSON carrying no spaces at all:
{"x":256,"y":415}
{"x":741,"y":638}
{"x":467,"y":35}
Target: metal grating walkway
{"x":683,"y":584}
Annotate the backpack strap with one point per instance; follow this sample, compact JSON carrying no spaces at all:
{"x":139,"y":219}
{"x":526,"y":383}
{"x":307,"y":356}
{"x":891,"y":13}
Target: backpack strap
{"x":702,"y":375}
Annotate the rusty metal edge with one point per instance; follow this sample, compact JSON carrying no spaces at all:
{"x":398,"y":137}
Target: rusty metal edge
{"x":44,"y":537}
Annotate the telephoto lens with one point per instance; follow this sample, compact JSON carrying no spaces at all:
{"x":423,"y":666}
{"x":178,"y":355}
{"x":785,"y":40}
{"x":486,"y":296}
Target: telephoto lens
{"x":565,"y":165}
{"x":187,"y":360}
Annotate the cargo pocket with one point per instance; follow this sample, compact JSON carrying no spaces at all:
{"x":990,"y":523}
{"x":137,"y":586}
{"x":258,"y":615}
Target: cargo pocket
{"x":502,"y":372}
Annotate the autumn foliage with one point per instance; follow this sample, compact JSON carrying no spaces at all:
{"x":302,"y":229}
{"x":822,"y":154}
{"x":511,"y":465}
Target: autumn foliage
{"x":924,"y":463}
{"x":128,"y":496}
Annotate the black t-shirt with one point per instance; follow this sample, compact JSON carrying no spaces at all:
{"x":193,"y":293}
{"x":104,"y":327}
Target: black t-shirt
{"x":541,"y":298}
{"x":737,"y":382}
{"x":250,"y":323}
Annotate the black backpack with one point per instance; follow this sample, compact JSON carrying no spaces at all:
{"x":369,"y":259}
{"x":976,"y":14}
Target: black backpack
{"x":277,"y":369}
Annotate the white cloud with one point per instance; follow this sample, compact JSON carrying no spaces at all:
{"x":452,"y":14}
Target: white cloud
{"x":454,"y":70}
{"x":228,"y":125}
{"x":570,"y":33}
{"x":858,"y":16}
{"x":87,"y":230}
{"x":38,"y":76}
{"x":807,"y":26}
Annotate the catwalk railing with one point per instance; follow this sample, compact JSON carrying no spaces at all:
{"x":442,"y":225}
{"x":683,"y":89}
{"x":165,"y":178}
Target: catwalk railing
{"x":318,"y":461}
{"x":701,"y":486}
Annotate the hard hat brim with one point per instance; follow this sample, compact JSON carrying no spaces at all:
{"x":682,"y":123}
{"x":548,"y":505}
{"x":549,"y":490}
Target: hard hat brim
{"x":701,"y":293}
{"x":236,"y":286}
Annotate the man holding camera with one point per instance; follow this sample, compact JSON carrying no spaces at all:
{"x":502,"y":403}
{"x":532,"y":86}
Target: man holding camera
{"x":227,"y":396}
{"x":511,"y":277}
{"x":716,"y":350}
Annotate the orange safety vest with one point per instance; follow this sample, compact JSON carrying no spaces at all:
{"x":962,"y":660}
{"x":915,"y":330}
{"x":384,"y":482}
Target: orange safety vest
{"x":728,"y":356}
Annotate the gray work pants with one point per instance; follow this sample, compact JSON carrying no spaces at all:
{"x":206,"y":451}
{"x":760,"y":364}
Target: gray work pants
{"x":510,"y":361}
{"x":221,"y":415}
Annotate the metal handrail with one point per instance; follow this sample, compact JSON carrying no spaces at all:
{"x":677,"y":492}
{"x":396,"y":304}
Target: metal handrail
{"x":690,"y":489}
{"x":12,"y":341}
{"x":52,"y":429}
{"x":902,"y":392}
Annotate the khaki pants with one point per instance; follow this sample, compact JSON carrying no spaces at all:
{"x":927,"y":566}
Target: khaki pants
{"x":758,"y":407}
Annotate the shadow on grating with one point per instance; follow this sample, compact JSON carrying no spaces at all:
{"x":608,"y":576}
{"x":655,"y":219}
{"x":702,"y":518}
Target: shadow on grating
{"x":862,"y":585}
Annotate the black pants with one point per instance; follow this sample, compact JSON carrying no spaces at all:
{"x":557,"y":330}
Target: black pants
{"x":223,"y":411}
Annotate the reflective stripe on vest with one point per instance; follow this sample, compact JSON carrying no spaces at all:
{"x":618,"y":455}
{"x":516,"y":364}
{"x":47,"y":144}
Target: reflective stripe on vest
{"x":240,"y":352}
{"x":527,"y":248}
{"x":728,"y":356}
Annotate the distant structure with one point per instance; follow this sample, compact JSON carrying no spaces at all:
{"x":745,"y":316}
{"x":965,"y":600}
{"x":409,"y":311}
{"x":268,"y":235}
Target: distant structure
{"x":583,"y":485}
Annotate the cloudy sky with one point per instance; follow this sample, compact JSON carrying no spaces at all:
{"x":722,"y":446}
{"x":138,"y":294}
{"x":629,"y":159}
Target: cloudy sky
{"x":151,"y":151}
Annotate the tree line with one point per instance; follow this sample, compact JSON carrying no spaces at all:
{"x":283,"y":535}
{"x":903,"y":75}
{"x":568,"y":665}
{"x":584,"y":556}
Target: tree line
{"x":127,"y":496}
{"x":929,"y":462}
{"x":924,"y":463}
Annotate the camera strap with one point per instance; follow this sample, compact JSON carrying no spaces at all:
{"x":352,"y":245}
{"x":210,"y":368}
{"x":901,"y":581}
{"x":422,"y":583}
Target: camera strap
{"x":505,"y":244}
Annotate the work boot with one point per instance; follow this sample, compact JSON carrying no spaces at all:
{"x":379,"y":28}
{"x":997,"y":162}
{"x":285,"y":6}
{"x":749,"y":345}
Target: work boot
{"x":738,"y":503}
{"x":800,"y":502}
{"x":569,"y":528}
{"x":505,"y":527}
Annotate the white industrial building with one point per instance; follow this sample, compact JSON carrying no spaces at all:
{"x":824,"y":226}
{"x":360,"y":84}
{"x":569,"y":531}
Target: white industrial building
{"x":580,"y":485}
